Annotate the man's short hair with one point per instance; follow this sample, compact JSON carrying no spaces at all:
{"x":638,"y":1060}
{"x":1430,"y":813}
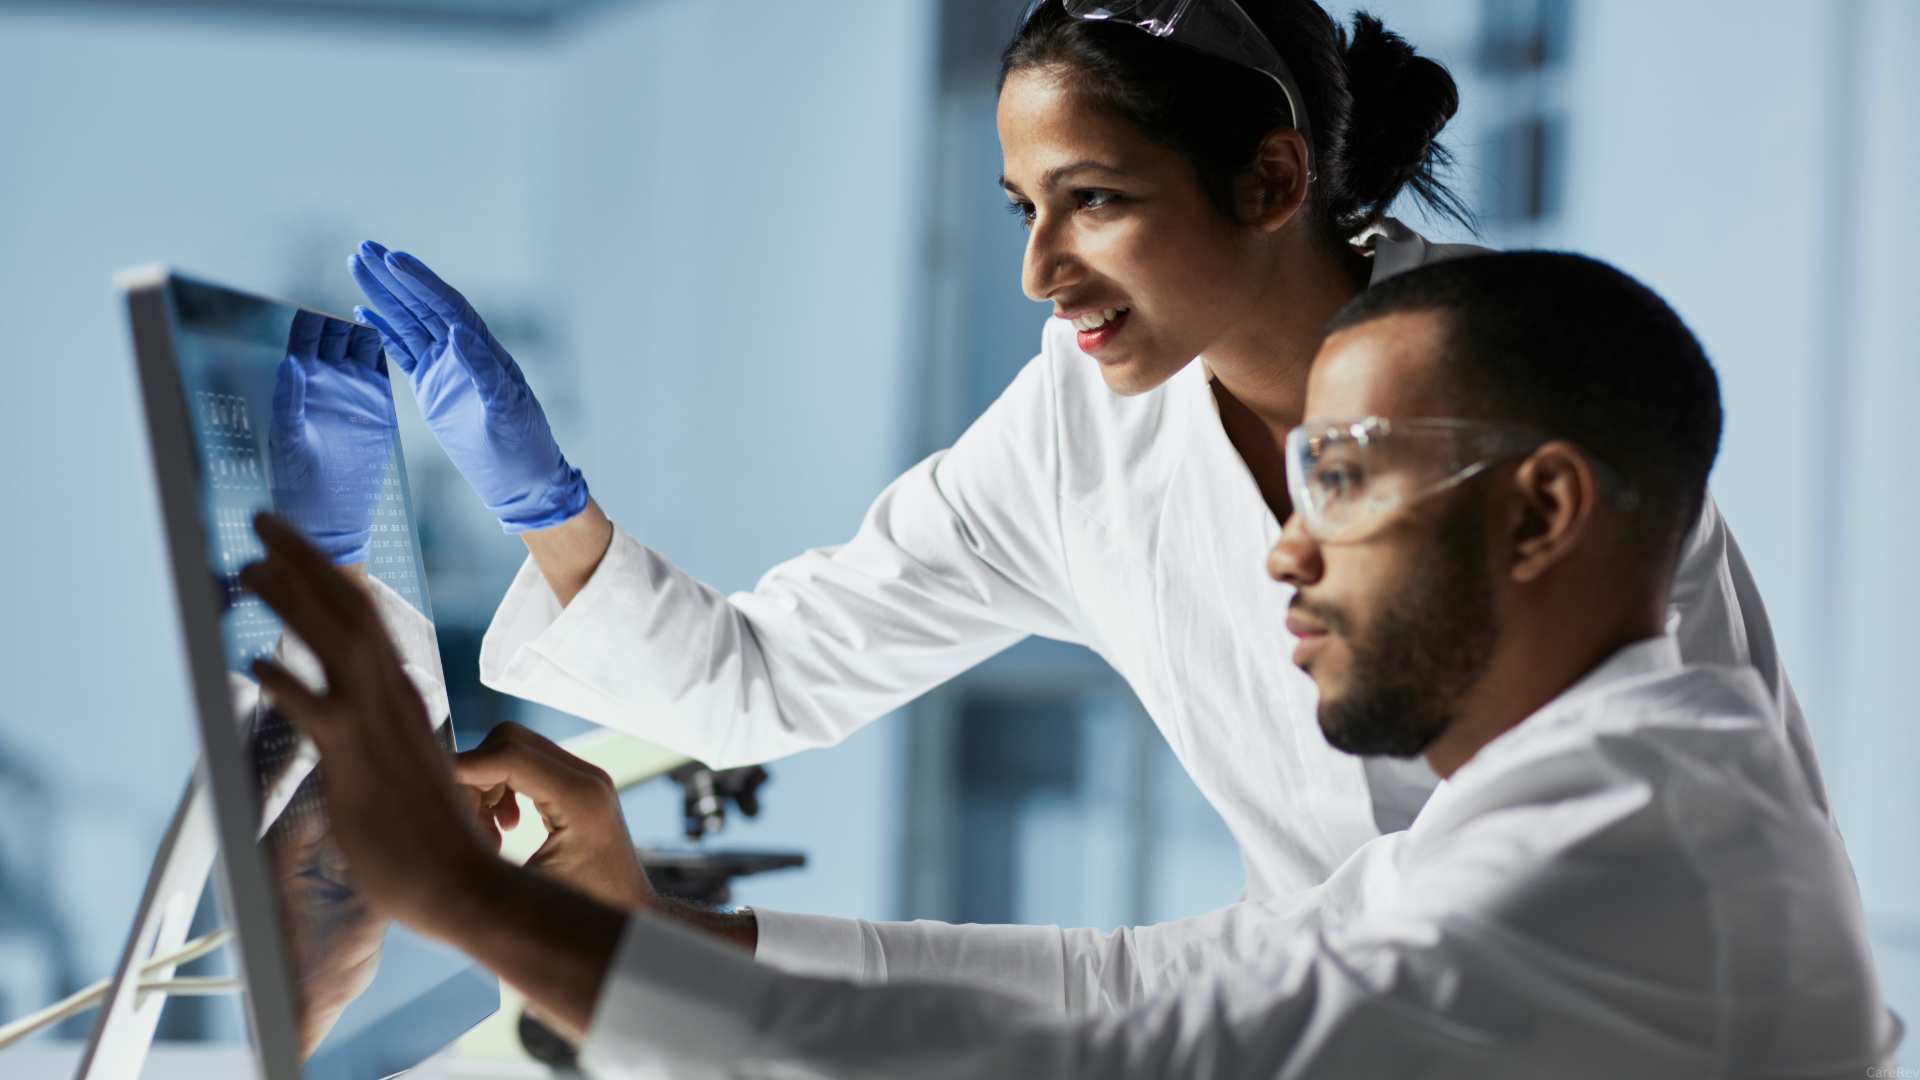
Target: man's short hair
{"x":1580,"y":351}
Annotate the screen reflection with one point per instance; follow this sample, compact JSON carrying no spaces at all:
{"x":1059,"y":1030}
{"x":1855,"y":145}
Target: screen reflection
{"x":293,"y":412}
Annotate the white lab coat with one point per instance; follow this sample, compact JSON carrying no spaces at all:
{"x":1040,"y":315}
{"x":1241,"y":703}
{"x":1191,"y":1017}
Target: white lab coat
{"x":1635,"y":881}
{"x":1126,"y":524}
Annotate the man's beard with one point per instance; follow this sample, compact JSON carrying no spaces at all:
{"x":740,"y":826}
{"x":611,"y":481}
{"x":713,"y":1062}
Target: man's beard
{"x":1424,"y":650}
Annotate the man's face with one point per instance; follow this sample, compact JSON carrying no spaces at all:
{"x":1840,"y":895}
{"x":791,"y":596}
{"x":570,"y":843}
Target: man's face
{"x":1396,"y":627}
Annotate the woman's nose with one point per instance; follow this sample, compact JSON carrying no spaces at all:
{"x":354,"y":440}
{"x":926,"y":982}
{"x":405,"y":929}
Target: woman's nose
{"x":1049,"y":265}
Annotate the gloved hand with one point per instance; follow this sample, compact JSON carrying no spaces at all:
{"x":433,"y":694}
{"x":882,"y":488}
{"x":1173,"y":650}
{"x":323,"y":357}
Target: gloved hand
{"x":331,"y":434}
{"x":472,"y":394}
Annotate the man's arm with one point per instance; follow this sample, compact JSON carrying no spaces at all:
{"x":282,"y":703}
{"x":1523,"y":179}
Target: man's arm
{"x":550,"y":942}
{"x":1316,"y":1008}
{"x":1068,"y":971}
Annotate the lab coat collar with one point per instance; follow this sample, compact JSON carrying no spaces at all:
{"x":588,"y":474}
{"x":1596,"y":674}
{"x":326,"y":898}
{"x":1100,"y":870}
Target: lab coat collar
{"x":1643,"y":660}
{"x":1658,"y":655}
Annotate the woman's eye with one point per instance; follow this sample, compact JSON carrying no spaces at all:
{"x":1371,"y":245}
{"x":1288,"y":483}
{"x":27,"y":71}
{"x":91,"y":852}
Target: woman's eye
{"x":1084,"y":199}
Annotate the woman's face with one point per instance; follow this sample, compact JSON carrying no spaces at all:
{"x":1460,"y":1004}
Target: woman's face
{"x":1120,"y":229}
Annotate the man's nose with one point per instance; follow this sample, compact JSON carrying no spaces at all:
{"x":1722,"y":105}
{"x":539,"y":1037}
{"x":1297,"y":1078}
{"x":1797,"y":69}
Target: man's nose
{"x":1295,"y":558}
{"x":1050,"y":264}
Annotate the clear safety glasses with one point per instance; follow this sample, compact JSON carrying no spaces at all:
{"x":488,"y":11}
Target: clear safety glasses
{"x":1349,"y":478}
{"x":1218,"y":28}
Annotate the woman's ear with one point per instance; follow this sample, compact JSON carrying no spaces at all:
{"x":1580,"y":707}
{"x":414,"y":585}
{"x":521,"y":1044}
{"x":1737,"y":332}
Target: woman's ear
{"x":1275,"y":188}
{"x":1557,"y":493}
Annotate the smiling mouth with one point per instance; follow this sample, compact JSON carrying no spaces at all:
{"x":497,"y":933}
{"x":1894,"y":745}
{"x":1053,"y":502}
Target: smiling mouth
{"x":1098,"y":328}
{"x":1094,"y":320}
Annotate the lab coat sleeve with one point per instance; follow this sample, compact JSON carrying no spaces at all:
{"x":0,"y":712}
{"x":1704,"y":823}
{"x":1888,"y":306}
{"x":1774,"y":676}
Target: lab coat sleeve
{"x":1076,"y":972}
{"x":1717,"y":616}
{"x":676,"y":1004}
{"x":419,"y":648}
{"x":958,"y":559}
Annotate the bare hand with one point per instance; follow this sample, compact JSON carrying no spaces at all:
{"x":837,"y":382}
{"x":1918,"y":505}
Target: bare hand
{"x":409,"y":834}
{"x":588,"y":845}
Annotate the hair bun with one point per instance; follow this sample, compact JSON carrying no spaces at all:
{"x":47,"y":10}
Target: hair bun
{"x":1401,"y":101}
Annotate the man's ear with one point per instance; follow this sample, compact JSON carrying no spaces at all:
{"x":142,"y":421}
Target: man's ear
{"x":1557,"y":493}
{"x":1275,"y":188}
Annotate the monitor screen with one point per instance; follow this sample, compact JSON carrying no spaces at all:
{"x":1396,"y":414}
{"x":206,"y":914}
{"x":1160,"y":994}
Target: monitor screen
{"x":291,"y":411}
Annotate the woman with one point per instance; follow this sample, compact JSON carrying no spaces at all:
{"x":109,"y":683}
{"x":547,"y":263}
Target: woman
{"x":1210,"y":195}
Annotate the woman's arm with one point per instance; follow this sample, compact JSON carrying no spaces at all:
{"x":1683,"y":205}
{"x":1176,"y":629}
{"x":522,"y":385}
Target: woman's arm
{"x":956,"y":560}
{"x":568,"y":553}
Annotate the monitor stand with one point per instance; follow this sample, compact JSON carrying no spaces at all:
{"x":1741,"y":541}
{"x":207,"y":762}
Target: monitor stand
{"x":123,"y":1033}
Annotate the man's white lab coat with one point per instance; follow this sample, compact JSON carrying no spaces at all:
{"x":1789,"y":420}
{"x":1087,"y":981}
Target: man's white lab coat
{"x":1636,"y":881}
{"x":1129,"y":525}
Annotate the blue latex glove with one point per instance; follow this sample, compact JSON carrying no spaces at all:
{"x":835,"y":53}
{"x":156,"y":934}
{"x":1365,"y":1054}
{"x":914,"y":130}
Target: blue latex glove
{"x":472,"y":394}
{"x":331,"y":434}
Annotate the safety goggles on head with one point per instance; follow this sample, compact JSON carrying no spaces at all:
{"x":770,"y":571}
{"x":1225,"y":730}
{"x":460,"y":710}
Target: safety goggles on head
{"x":1219,"y":28}
{"x":1349,"y":478}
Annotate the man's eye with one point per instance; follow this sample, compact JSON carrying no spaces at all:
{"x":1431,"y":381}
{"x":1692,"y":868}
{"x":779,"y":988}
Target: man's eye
{"x":1338,"y":481}
{"x":1023,"y":211}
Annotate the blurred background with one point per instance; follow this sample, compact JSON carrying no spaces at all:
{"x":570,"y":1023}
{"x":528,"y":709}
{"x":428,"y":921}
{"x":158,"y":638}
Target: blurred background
{"x":752,"y":257}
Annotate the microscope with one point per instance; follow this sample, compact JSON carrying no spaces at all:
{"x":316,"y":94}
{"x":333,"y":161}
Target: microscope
{"x":694,"y":874}
{"x":704,"y":876}
{"x":704,"y":793}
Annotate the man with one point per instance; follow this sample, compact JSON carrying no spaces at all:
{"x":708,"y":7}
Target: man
{"x":1626,"y":872}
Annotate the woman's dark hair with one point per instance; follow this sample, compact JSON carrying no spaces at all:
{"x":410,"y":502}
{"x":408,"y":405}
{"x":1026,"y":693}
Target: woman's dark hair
{"x":1374,"y":106}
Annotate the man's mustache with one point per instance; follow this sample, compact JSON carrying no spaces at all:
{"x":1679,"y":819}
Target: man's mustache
{"x":1326,"y":615}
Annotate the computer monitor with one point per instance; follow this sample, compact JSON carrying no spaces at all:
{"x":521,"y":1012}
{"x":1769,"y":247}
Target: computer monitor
{"x":253,"y":404}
